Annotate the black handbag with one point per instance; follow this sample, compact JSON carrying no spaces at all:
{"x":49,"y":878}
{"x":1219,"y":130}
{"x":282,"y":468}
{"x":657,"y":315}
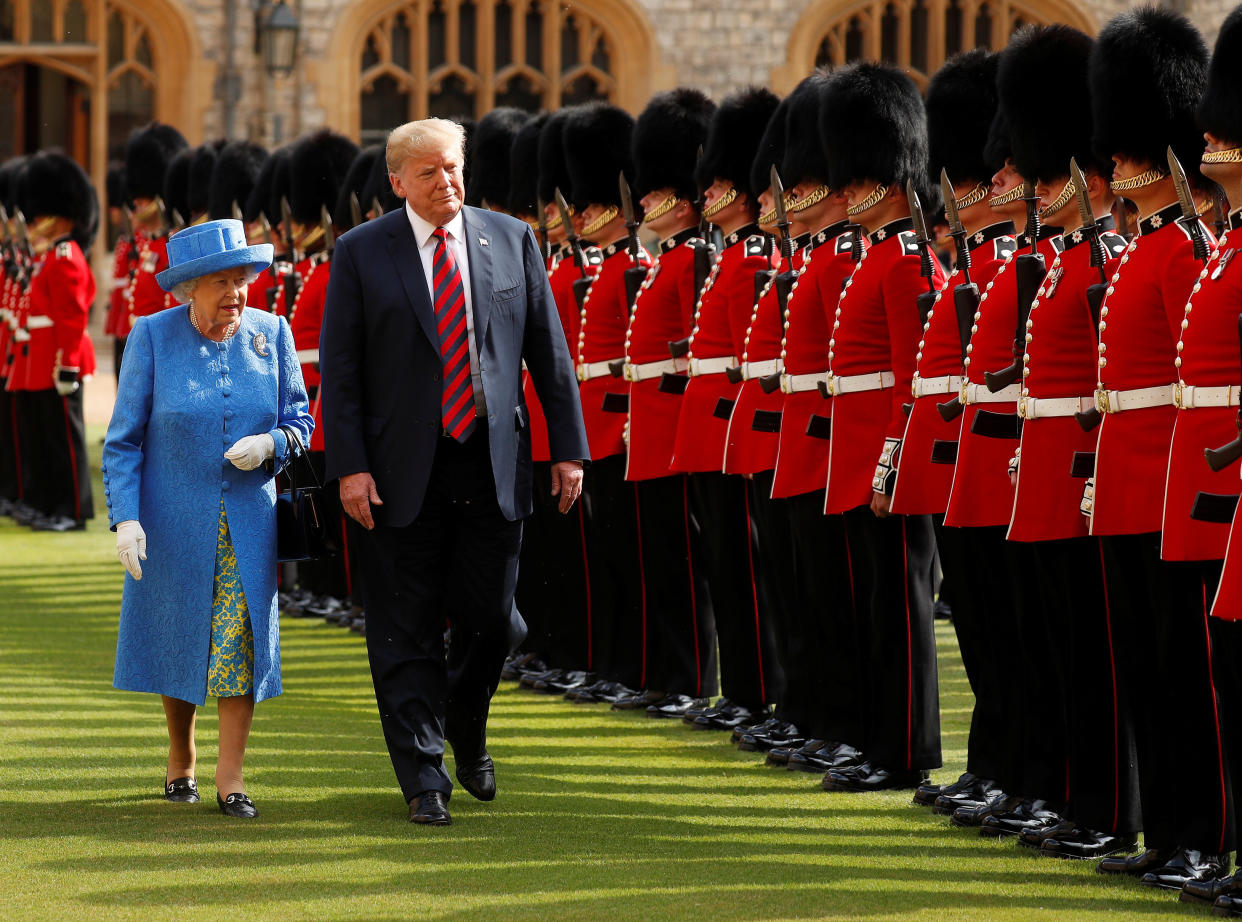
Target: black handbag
{"x":301,"y":532}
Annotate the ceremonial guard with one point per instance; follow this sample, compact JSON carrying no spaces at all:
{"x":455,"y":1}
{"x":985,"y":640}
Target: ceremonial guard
{"x":124,"y":263}
{"x":233,"y":178}
{"x":680,"y":640}
{"x":875,"y":135}
{"x":490,"y":149}
{"x":348,"y":211}
{"x":63,"y":210}
{"x":199,"y":180}
{"x":1148,"y":69}
{"x":749,"y":672}
{"x":597,"y":139}
{"x":1069,"y":639}
{"x":961,"y":106}
{"x":261,"y":214}
{"x":10,"y":479}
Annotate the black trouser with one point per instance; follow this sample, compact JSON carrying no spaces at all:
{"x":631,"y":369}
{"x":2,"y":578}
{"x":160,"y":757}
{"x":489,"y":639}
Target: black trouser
{"x":618,"y":615}
{"x":460,"y":555}
{"x":681,"y":626}
{"x":10,"y":485}
{"x":328,"y":576}
{"x":553,"y":578}
{"x":1227,"y":671}
{"x":1163,"y":644}
{"x":1103,"y":775}
{"x":823,"y":663}
{"x":749,"y":673}
{"x":892,"y":557}
{"x":795,"y":701}
{"x":60,"y":473}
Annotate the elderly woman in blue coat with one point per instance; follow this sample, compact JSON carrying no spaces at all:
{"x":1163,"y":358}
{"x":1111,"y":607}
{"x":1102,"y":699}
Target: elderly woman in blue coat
{"x":204,"y":393}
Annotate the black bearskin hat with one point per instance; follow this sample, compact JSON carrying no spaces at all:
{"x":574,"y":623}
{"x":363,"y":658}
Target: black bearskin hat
{"x":874,"y":127}
{"x":598,"y":137}
{"x":260,"y":200}
{"x":667,"y":137}
{"x":771,"y":151}
{"x":355,"y":183}
{"x":379,"y":188}
{"x":12,"y":175}
{"x":961,"y":104}
{"x":1221,"y":110}
{"x":148,"y":152}
{"x":1043,"y":146}
{"x":733,"y":137}
{"x":177,"y":185}
{"x":237,"y":170}
{"x":115,"y":185}
{"x":553,"y":164}
{"x":524,"y":167}
{"x":804,"y":157}
{"x":317,"y":168}
{"x":55,"y":186}
{"x":489,"y":156}
{"x":999,"y":146}
{"x":1148,"y":69}
{"x":201,"y":169}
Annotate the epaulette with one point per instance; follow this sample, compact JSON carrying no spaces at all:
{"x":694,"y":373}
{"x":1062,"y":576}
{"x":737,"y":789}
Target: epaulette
{"x":64,"y":250}
{"x":806,"y":252}
{"x":909,"y":242}
{"x":756,"y":244}
{"x":1113,"y":242}
{"x":845,"y":243}
{"x":593,"y":256}
{"x":1005,"y":247}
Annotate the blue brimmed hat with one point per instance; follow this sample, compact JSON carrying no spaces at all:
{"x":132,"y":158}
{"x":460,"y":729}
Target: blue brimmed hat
{"x":209,"y":247}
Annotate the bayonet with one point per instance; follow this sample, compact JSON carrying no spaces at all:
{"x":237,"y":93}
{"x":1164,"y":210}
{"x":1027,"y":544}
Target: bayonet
{"x":376,"y":206}
{"x":704,"y":225}
{"x":178,"y":222}
{"x":237,"y":212}
{"x":782,"y":214}
{"x":329,"y":235}
{"x":637,"y":273}
{"x":1190,"y":213}
{"x":583,"y":282}
{"x":927,"y":265}
{"x":1220,"y":209}
{"x":162,"y":210}
{"x":956,"y":230}
{"x":286,"y":227}
{"x":542,"y":227}
{"x":355,"y":209}
{"x":965,"y":295}
{"x":1029,"y":273}
{"x":1089,"y":419}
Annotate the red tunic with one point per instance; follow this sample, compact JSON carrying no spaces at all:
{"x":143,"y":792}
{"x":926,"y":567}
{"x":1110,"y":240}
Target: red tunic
{"x":806,"y":416}
{"x":305,"y":322}
{"x":877,"y":329}
{"x":1062,"y":364}
{"x":1208,"y":358}
{"x":981,"y":495}
{"x":722,"y":314}
{"x":603,"y":320}
{"x":663,"y":313}
{"x":117,"y":321}
{"x":62,"y":291}
{"x":19,"y":341}
{"x":925,"y":479}
{"x":1139,"y":329}
{"x":146,"y":297}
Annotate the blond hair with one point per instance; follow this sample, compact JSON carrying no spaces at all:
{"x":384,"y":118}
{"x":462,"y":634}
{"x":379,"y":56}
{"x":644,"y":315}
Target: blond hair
{"x":417,"y":139}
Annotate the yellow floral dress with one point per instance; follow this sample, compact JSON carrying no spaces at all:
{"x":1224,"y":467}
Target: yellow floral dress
{"x":230,"y":671}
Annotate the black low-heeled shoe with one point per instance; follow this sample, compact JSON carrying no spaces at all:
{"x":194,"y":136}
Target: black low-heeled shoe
{"x":181,"y":791}
{"x":238,"y":805}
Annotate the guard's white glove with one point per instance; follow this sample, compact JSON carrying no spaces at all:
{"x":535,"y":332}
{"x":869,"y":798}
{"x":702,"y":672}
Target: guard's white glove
{"x":131,"y":546}
{"x":250,"y":451}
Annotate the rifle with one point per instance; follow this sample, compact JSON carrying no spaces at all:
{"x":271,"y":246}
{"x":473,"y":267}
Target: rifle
{"x":704,"y":251}
{"x":329,"y":233}
{"x":291,"y":277}
{"x":1220,"y":210}
{"x":1030,"y":270}
{"x":927,"y":262}
{"x":1220,"y":458}
{"x":965,"y":295}
{"x":355,"y":208}
{"x":637,"y":273}
{"x":785,"y":281}
{"x":583,"y":282}
{"x":542,"y":227}
{"x":1089,"y":419}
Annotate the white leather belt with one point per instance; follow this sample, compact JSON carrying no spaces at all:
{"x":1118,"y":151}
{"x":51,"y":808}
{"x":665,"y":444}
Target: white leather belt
{"x":943,"y":384}
{"x":795,"y":384}
{"x":717,"y":366}
{"x":1190,"y":397}
{"x":760,"y":369}
{"x":38,"y":322}
{"x":1050,"y":407}
{"x":589,"y":370}
{"x":120,"y":281}
{"x":1136,"y":399}
{"x":307,"y":356}
{"x":854,"y":384}
{"x":644,"y":371}
{"x":979,"y":393}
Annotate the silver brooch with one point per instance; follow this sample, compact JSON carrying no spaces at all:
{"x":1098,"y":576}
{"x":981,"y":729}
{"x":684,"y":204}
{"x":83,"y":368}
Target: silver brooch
{"x":260,"y":345}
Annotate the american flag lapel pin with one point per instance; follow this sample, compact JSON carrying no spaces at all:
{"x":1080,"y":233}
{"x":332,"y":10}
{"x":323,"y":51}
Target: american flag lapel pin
{"x":482,"y":241}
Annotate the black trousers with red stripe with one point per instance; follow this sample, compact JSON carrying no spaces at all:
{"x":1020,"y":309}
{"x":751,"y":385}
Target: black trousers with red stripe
{"x":891,"y":558}
{"x":618,"y":615}
{"x":55,"y":468}
{"x":10,"y":485}
{"x":1227,"y":671}
{"x":823,"y":664}
{"x":553,"y":579}
{"x":749,"y":671}
{"x":1099,"y":736}
{"x":775,"y":535}
{"x":1167,"y":683}
{"x":680,"y":649}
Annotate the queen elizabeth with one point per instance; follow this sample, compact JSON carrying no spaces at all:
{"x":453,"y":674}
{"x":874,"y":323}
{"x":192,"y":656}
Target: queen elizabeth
{"x":208,"y":393}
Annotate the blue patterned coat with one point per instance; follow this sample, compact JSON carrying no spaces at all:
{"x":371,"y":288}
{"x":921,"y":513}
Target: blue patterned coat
{"x":182,"y":401}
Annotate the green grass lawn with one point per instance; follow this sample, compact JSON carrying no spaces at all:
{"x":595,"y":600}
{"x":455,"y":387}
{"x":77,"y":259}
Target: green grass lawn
{"x":601,"y":815}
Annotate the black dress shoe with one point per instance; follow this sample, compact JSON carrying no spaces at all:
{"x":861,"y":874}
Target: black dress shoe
{"x":780,"y":755}
{"x":1209,"y":891}
{"x":567,"y":680}
{"x":726,"y":717}
{"x":601,"y":691}
{"x":237,"y":805}
{"x":515,"y":666}
{"x":871,"y":777}
{"x":759,"y":727}
{"x":181,"y":791}
{"x":968,"y":790}
{"x":528,"y":679}
{"x":676,"y":706}
{"x":832,"y":754}
{"x":23,"y":514}
{"x":1227,"y":906}
{"x":927,"y":794}
{"x":1187,"y":864}
{"x":694,"y":713}
{"x":1136,"y":865}
{"x":1084,"y":844}
{"x":430,"y":808}
{"x":779,"y":733}
{"x":57,"y":523}
{"x":1030,"y":816}
{"x":639,"y":701}
{"x":478,"y":777}
{"x":974,"y":815}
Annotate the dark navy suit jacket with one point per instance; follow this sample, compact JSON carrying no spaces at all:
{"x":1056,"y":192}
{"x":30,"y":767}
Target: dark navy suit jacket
{"x":380,"y":360}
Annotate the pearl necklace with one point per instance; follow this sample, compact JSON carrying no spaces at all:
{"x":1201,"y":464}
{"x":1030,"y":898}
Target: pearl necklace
{"x":228,"y":331}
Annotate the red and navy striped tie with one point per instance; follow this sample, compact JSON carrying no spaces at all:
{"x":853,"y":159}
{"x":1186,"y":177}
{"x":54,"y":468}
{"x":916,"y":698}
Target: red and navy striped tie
{"x":457,"y":396}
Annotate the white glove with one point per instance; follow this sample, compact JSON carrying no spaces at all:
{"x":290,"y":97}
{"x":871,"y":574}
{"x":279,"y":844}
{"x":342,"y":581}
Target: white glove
{"x":131,"y":546}
{"x":250,"y":451}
